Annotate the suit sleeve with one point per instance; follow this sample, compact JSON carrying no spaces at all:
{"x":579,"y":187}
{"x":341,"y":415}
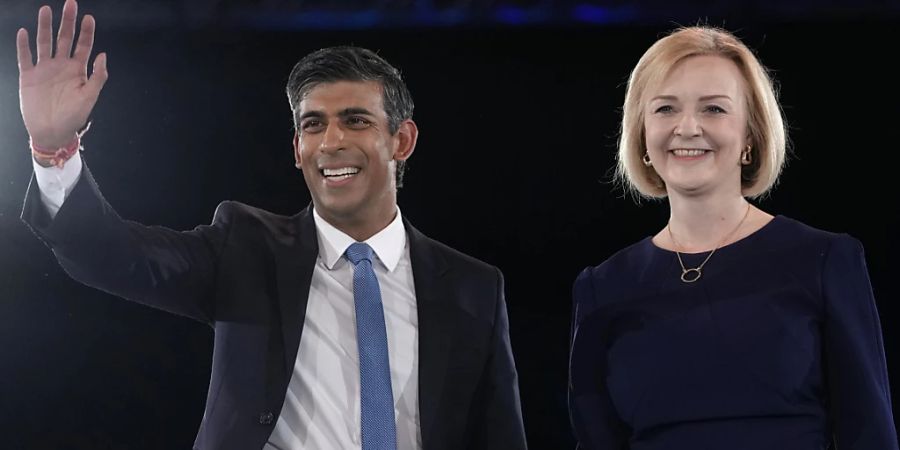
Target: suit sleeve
{"x":156,"y":266}
{"x":595,"y":422}
{"x":859,"y":393}
{"x":498,"y":390}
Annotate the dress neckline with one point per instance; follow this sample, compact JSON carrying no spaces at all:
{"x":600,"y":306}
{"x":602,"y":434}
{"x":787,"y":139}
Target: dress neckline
{"x":740,"y":242}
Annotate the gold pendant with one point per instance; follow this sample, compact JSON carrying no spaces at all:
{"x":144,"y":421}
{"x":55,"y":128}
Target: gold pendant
{"x":688,"y":278}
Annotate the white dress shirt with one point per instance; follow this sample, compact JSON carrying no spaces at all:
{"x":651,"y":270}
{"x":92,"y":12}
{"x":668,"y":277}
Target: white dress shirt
{"x":321,"y":408}
{"x":57,"y":183}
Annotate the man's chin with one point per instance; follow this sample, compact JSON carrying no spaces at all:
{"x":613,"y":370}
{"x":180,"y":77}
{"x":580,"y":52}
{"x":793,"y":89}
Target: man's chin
{"x":339,"y":209}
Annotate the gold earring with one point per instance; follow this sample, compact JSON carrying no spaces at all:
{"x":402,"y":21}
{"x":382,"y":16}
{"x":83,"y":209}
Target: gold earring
{"x":646,"y":160}
{"x":746,"y":156}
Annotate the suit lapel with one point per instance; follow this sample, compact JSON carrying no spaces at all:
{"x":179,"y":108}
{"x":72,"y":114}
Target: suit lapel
{"x":296,"y":256}
{"x":433,"y":299}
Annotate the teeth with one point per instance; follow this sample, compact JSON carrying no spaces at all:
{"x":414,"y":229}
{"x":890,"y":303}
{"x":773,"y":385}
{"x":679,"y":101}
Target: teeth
{"x":342,"y":172}
{"x":688,"y":152}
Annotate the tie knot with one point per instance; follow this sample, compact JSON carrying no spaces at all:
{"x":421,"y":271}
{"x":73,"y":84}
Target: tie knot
{"x":359,"y":251}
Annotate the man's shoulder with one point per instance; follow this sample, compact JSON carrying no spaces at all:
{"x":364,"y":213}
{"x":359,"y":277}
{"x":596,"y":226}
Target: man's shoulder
{"x":469,"y":283}
{"x":456,"y":259}
{"x":461,"y":258}
{"x":236,"y":209}
{"x":241,"y":215}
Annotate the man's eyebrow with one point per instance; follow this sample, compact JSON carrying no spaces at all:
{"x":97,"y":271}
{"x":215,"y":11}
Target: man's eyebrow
{"x":346,"y":112}
{"x":352,"y":111}
{"x":308,"y":114}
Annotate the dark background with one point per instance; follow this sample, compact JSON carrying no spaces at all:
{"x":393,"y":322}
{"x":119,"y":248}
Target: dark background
{"x":518,"y":107}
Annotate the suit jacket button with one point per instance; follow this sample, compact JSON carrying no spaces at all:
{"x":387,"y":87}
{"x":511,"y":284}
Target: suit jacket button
{"x":266,"y":418}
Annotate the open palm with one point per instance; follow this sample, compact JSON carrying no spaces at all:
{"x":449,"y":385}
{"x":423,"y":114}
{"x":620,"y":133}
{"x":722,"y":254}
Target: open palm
{"x":55,"y":94}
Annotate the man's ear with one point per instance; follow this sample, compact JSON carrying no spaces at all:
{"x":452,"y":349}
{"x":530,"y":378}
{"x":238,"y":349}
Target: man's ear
{"x":406,"y":136}
{"x":298,"y":159}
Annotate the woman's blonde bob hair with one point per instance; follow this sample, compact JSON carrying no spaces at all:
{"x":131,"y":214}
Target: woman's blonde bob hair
{"x":765,"y":122}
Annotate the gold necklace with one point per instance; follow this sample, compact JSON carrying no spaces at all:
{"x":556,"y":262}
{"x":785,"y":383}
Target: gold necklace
{"x":693,"y":274}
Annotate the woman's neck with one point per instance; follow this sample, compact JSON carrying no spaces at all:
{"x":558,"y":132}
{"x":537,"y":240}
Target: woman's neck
{"x":702,"y":223}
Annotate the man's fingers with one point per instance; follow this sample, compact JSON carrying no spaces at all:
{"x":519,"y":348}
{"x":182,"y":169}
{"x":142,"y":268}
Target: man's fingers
{"x":67,"y":29}
{"x":98,"y":76}
{"x":23,"y":51}
{"x":44,"y":38}
{"x":85,"y":39}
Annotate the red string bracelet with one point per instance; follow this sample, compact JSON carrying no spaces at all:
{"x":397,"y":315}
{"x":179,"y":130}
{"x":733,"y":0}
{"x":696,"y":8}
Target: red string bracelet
{"x":58,"y":156}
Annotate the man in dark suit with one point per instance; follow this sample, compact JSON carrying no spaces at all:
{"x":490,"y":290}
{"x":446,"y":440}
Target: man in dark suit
{"x":340,"y":327}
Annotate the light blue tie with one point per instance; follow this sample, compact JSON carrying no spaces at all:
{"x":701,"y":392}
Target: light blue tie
{"x":376,"y":398}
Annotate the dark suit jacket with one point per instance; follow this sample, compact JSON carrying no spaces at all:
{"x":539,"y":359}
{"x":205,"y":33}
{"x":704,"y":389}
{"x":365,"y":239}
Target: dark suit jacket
{"x":248,"y":275}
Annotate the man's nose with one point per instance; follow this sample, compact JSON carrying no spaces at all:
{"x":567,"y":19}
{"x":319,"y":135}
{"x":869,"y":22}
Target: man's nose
{"x":332,"y":138}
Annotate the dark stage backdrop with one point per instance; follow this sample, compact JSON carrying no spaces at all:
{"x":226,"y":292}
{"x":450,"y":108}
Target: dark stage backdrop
{"x":518,"y":132}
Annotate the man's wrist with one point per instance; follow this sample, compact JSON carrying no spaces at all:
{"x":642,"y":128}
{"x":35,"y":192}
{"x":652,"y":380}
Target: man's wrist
{"x":49,"y":156}
{"x":41,"y":162}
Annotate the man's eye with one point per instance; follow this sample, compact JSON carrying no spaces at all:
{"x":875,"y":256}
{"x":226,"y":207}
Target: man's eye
{"x":357,"y":122}
{"x":311,"y":126}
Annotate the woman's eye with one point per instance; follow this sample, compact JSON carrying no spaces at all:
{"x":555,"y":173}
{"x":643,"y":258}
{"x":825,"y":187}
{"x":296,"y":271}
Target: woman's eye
{"x":663,"y":109}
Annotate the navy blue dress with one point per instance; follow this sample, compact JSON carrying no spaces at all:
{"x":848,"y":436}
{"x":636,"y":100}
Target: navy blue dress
{"x":777,"y":346}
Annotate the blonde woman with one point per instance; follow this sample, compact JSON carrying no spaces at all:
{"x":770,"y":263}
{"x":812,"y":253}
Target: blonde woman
{"x":730,"y":328}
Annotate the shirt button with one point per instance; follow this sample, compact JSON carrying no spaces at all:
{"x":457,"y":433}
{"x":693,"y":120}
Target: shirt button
{"x":266,"y":418}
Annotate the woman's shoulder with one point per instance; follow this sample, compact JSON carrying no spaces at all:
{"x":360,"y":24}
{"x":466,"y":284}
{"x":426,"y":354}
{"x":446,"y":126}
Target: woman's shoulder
{"x":620,"y":263}
{"x":818,"y":256}
{"x":618,"y":274}
{"x":788,"y":233}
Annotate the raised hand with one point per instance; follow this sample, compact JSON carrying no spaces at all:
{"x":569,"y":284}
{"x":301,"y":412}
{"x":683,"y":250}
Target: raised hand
{"x":55,"y":94}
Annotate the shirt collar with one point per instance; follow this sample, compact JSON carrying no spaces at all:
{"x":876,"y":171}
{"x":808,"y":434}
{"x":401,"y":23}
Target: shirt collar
{"x":388,"y":244}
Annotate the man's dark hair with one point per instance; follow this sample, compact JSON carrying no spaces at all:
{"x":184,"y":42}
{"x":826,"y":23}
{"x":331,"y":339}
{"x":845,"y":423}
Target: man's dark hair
{"x":333,"y":64}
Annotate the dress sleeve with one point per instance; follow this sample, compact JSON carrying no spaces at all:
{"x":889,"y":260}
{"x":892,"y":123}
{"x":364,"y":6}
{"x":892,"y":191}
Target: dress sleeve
{"x":859,"y":393}
{"x":595,"y":422}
